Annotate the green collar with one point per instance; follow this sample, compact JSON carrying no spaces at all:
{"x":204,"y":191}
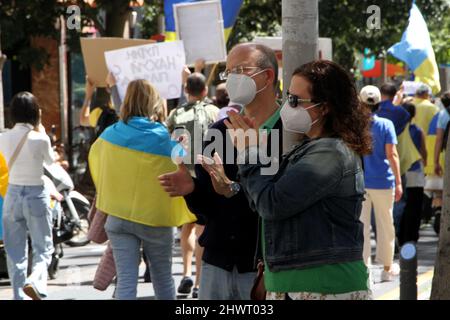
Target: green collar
{"x":270,"y":123}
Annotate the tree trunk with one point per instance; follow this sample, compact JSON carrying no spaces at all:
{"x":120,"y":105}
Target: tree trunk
{"x":116,"y":26}
{"x":300,"y":24}
{"x":441,"y":281}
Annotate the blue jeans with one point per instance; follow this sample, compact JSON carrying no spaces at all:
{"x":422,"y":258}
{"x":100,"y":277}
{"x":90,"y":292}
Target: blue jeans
{"x":219,"y":284}
{"x":26,"y":211}
{"x":126,"y":238}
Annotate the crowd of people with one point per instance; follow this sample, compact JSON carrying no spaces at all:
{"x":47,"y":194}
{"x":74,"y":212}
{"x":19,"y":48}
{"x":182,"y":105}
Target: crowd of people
{"x":366,"y":160}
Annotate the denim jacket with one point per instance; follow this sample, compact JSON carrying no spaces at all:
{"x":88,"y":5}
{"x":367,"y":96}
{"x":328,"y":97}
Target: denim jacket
{"x":311,"y":207}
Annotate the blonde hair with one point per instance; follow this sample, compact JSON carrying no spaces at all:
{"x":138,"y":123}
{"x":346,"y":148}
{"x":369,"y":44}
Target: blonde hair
{"x":140,"y":100}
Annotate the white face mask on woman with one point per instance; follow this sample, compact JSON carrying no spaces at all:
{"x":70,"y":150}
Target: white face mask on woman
{"x":241,"y":88}
{"x":297,"y":119}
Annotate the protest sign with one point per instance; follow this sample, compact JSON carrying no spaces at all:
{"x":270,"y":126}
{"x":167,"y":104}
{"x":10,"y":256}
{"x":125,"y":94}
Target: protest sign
{"x":159,"y":63}
{"x":94,"y":49}
{"x":200,"y":26}
{"x":410,"y":87}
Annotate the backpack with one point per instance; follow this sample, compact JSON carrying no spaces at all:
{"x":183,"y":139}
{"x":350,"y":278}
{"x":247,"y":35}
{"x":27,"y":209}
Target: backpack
{"x":193,"y":117}
{"x":107,"y":117}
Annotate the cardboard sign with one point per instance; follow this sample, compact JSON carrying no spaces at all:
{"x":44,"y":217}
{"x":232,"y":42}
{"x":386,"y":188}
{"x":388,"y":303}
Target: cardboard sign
{"x":200,"y":26}
{"x":160,"y":63}
{"x":94,"y":55}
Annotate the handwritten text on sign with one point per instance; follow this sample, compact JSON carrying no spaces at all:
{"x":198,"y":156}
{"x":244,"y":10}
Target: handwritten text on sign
{"x":159,"y":63}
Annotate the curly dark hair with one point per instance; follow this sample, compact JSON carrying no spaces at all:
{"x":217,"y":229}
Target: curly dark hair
{"x":346,"y":118}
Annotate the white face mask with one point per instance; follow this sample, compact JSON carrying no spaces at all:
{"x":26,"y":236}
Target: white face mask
{"x":242,"y":88}
{"x":297,"y":119}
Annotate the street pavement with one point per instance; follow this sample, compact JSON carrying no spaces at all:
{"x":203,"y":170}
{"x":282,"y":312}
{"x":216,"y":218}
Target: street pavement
{"x":78,"y":266}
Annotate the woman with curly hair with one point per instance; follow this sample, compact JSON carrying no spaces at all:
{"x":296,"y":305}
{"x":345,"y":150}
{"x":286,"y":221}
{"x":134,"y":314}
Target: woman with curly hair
{"x":312,"y":238}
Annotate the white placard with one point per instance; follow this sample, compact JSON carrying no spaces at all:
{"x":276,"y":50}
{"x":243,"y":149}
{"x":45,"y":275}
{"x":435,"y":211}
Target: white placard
{"x":410,"y":87}
{"x":159,"y":63}
{"x":200,"y":26}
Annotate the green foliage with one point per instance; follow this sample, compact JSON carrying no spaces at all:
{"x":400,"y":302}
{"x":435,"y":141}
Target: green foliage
{"x":149,"y":24}
{"x":22,"y":19}
{"x":256,"y":18}
{"x":346,"y":24}
{"x":345,"y":21}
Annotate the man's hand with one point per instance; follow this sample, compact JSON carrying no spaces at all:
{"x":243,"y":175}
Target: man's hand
{"x":185,"y":74}
{"x":219,"y":180}
{"x":398,"y":192}
{"x":178,"y":183}
{"x":242,"y":130}
{"x":199,"y":65}
{"x":398,"y":99}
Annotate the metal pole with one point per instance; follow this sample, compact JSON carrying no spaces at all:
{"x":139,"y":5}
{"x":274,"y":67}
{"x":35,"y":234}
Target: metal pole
{"x":408,"y":272}
{"x":300,"y":27}
{"x":63,"y":86}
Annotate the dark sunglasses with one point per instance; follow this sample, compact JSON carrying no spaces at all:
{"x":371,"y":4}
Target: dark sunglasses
{"x":294,"y":100}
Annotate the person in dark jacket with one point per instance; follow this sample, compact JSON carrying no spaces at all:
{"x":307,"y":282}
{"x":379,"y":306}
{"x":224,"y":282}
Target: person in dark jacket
{"x":231,"y":228}
{"x":312,"y":236}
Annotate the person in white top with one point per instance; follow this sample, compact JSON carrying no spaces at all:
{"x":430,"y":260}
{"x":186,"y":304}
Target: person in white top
{"x":26,"y":209}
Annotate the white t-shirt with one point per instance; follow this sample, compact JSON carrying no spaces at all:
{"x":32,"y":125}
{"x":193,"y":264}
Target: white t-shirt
{"x":28,"y":169}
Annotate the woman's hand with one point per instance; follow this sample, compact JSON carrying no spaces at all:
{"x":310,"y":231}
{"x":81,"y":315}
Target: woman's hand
{"x":89,"y":88}
{"x":178,"y":183}
{"x":242,"y":131}
{"x":219,"y":180}
{"x":110,"y":80}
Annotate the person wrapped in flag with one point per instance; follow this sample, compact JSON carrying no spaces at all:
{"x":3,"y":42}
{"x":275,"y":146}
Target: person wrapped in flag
{"x":125,"y":162}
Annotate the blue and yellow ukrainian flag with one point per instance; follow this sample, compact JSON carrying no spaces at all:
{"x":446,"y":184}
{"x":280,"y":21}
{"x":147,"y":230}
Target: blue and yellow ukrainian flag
{"x":125,"y":163}
{"x":430,"y":143}
{"x":407,"y":151}
{"x":230,"y":11}
{"x":416,"y":51}
{"x":3,"y":185}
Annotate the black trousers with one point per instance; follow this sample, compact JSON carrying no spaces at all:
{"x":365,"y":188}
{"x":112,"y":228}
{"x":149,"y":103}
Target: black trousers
{"x":410,"y":222}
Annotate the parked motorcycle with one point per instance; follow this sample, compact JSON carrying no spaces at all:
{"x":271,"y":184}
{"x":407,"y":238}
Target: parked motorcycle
{"x":70,"y":218}
{"x":70,"y":215}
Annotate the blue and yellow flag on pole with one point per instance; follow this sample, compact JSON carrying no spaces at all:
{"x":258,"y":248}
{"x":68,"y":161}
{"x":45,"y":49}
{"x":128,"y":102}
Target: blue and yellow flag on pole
{"x":416,"y":51}
{"x":3,"y":185}
{"x":125,"y":162}
{"x":230,"y":11}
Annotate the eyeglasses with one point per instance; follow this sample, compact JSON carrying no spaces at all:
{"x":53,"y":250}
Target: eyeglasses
{"x":237,"y":70}
{"x":294,"y":100}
